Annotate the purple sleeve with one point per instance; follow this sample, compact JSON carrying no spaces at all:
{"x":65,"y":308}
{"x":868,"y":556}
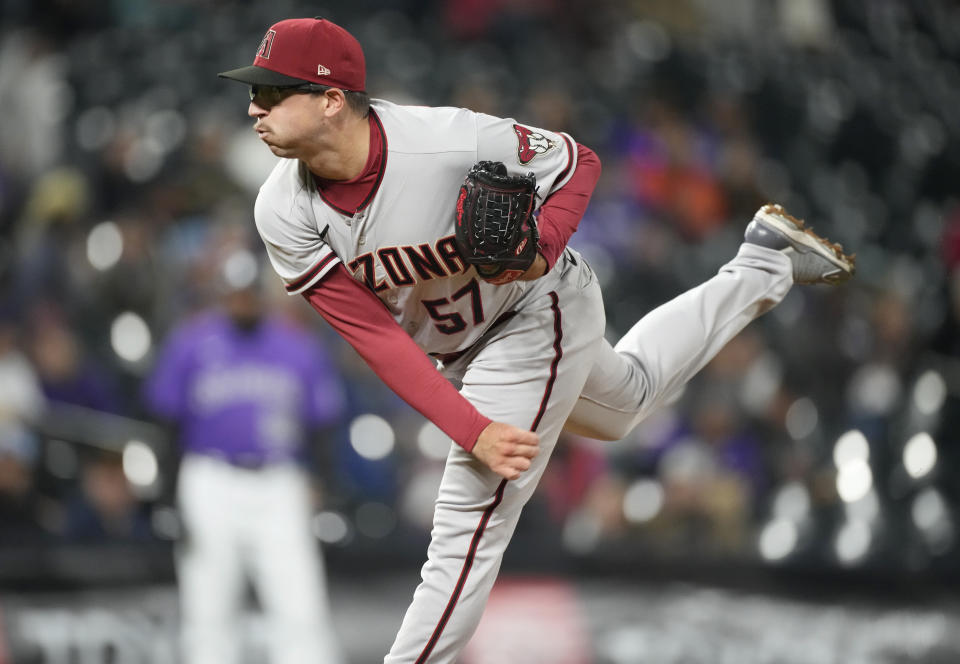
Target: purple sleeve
{"x":327,"y":399}
{"x":166,"y":390}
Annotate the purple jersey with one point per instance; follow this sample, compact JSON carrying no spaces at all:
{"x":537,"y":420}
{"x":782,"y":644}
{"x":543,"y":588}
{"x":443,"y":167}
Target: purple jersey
{"x":248,"y":397}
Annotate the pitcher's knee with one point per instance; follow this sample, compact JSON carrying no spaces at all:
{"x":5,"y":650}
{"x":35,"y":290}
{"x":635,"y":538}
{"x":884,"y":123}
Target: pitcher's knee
{"x":595,"y":421}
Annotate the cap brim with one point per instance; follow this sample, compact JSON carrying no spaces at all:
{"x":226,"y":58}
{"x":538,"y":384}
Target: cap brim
{"x":253,"y":75}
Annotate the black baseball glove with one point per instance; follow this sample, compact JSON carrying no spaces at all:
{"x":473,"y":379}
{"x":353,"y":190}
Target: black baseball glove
{"x":496,"y":230}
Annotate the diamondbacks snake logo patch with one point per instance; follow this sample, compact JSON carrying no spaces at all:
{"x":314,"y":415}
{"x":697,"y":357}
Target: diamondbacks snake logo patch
{"x":531,"y":143}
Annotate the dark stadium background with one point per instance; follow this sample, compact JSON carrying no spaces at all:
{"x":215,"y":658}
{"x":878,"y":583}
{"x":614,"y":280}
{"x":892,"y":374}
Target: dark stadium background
{"x":799,"y":503}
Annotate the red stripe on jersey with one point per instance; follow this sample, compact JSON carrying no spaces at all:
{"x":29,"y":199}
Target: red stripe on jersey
{"x":560,"y":214}
{"x":566,"y":170}
{"x":309,"y":276}
{"x":498,"y":495}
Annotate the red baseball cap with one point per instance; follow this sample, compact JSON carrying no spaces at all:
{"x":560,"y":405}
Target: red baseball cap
{"x":305,"y":50}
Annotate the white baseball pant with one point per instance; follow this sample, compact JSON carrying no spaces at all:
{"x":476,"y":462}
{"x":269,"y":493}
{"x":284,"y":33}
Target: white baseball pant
{"x":252,"y":524}
{"x":549,"y":368}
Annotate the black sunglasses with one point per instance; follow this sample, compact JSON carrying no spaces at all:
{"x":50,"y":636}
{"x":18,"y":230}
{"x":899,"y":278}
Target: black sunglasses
{"x":271,"y":95}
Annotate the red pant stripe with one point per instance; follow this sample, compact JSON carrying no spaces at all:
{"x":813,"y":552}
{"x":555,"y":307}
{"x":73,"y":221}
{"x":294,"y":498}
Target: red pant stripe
{"x":498,"y":496}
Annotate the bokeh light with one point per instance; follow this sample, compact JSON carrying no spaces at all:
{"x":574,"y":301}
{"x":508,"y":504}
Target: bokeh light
{"x":432,"y":442}
{"x":104,"y":245}
{"x":642,"y":500}
{"x":130,"y":337}
{"x":140,"y":464}
{"x":792,"y":502}
{"x":851,"y":446}
{"x":802,"y":418}
{"x":920,"y":455}
{"x":372,"y":436}
{"x":854,"y":480}
{"x":929,"y":392}
{"x":778,"y":539}
{"x":331,"y":527}
{"x":853,"y":542}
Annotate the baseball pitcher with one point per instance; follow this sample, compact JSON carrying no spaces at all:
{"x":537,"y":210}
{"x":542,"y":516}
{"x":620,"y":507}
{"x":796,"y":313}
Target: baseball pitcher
{"x":436,"y":238}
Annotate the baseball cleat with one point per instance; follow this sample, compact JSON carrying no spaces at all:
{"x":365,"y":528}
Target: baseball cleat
{"x":815,"y":260}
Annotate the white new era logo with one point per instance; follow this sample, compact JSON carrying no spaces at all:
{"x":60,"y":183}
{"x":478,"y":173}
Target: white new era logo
{"x":322,"y":71}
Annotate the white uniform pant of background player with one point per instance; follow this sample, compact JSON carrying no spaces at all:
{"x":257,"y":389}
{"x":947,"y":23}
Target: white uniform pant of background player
{"x":546,"y":365}
{"x":250,"y":524}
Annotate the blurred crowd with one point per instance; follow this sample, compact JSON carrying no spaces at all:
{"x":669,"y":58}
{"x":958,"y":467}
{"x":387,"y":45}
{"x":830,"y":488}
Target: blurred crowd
{"x":824,"y":436}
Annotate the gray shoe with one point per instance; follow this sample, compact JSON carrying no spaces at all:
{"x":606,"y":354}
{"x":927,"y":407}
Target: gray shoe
{"x":815,"y":260}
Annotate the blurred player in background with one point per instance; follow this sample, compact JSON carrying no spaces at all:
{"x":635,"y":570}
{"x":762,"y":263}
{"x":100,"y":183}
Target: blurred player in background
{"x":250,"y":394}
{"x":21,"y":404}
{"x":359,"y":217}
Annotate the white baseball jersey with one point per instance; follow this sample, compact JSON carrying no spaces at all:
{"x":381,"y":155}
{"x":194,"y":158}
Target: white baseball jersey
{"x":547,"y":368}
{"x":402,"y":242}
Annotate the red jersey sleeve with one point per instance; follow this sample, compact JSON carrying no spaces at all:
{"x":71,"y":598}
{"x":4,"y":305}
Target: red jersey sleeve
{"x":561,"y":212}
{"x":360,"y":318}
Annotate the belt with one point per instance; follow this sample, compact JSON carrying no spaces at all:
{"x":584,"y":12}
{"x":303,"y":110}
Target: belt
{"x":249,"y":463}
{"x":447,"y":358}
{"x":244,"y":461}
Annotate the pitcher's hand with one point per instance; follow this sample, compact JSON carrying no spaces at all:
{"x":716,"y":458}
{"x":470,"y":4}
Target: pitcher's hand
{"x":506,"y":450}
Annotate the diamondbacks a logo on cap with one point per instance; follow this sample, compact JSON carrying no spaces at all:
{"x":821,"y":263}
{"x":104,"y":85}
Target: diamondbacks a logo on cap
{"x":266,"y":45}
{"x":531,"y":143}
